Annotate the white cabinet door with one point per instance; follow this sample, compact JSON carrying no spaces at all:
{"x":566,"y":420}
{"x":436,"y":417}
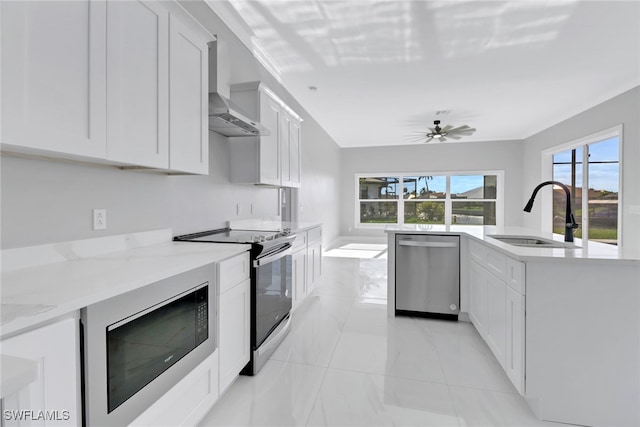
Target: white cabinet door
{"x":234,"y":345}
{"x":188,"y":99}
{"x":56,"y":349}
{"x":314,"y":263}
{"x":285,"y":149}
{"x":514,"y":362}
{"x":496,"y":316}
{"x":269,"y":151}
{"x":53,"y":77}
{"x":295,"y":154}
{"x":478,"y":297}
{"x":299,"y":275}
{"x":138,"y":83}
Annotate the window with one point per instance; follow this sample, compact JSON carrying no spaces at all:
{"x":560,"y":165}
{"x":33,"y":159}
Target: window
{"x":423,"y":198}
{"x":591,"y":170}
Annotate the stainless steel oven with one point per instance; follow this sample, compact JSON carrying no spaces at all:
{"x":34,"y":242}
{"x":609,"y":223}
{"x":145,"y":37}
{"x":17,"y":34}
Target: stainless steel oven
{"x":271,"y":286}
{"x":272,"y":296}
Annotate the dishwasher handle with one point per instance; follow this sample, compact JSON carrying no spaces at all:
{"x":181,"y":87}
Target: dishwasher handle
{"x":421,"y":244}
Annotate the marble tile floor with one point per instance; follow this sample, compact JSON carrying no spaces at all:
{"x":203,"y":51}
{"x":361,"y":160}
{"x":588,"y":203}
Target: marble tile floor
{"x":345,"y":363}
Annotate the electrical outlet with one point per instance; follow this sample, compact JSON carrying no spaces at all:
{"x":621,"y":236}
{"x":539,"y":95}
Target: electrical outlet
{"x":99,"y":219}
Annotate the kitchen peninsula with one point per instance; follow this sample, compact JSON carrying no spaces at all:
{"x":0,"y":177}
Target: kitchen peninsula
{"x":564,"y":323}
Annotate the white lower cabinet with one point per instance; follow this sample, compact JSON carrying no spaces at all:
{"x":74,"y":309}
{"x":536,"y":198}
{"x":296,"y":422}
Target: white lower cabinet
{"x":496,"y":317}
{"x":478,"y":297}
{"x":497,"y":307}
{"x":514,"y":351}
{"x":56,"y":392}
{"x":306,"y":263}
{"x":314,"y":257}
{"x":234,"y":315}
{"x":188,"y":401}
{"x":299,"y":276}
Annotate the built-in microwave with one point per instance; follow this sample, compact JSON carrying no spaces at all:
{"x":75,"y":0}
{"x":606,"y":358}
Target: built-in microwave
{"x":140,"y":344}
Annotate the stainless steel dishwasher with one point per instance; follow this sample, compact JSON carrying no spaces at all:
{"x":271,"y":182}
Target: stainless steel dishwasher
{"x":428,"y":275}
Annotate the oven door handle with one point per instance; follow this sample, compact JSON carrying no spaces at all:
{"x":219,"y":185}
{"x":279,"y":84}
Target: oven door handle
{"x":280,"y":254}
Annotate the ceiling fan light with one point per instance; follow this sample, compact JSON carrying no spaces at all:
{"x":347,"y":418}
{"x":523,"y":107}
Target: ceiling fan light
{"x":437,"y":135}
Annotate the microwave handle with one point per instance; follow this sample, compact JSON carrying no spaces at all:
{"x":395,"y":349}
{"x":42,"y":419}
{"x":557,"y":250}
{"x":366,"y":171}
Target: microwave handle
{"x":266,"y":260}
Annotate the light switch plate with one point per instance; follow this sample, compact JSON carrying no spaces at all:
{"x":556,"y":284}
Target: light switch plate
{"x":634,"y":209}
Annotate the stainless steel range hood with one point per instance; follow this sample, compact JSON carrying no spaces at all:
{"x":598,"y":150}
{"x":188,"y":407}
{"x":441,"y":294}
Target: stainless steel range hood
{"x":224,"y":117}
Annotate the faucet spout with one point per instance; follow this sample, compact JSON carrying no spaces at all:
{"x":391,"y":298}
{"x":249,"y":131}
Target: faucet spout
{"x":570,"y":221}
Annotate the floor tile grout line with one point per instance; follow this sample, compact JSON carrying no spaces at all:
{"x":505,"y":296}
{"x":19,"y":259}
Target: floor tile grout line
{"x":315,"y":401}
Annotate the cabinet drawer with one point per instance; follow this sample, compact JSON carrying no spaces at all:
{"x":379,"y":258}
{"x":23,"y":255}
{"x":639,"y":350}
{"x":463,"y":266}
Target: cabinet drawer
{"x":300,"y":242}
{"x":515,"y":275}
{"x":477,"y":251}
{"x":496,"y":263}
{"x":314,"y":235}
{"x":233,"y":271}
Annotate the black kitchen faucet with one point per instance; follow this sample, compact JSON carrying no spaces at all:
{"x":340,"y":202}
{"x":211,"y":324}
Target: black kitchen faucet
{"x":570,"y":221}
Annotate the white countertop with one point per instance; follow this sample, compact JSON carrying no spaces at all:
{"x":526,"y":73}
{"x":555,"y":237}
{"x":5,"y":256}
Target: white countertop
{"x":45,"y":282}
{"x":592,"y":251}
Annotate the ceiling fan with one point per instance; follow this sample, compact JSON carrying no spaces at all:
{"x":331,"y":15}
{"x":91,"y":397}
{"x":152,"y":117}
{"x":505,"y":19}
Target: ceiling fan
{"x":442,"y":134}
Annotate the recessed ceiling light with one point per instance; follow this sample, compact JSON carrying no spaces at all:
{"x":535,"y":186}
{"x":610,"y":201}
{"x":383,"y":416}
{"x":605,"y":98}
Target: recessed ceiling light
{"x":313,"y":88}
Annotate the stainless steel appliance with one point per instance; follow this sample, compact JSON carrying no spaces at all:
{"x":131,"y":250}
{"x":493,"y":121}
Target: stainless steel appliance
{"x":138,"y":345}
{"x":271,"y":281}
{"x":225,"y":117}
{"x":428,"y":275}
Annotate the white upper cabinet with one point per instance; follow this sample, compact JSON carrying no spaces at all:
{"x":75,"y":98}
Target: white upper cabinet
{"x":295,"y":153}
{"x":272,"y":159}
{"x":53,"y":77}
{"x":188,"y":96}
{"x":290,"y":150}
{"x":137,"y":82}
{"x":269,"y":146}
{"x":115,"y":82}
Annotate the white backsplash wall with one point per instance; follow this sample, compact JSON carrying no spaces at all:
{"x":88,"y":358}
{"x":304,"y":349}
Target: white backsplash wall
{"x":201,"y":202}
{"x":442,"y":157}
{"x":46,"y":201}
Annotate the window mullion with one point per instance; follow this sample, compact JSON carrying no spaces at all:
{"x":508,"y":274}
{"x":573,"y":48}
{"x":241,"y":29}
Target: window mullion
{"x":448,"y":209}
{"x":585,"y":193}
{"x":400,"y":201}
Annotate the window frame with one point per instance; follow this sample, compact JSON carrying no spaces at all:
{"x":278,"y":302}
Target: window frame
{"x":547,"y":174}
{"x":499,"y":200}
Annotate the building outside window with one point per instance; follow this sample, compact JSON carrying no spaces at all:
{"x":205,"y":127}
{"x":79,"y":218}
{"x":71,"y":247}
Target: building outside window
{"x":591,"y":170}
{"x":426,"y":198}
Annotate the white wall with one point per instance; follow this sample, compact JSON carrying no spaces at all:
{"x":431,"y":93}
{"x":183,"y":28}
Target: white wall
{"x":623,"y":109}
{"x":471,"y":156}
{"x":45,"y":201}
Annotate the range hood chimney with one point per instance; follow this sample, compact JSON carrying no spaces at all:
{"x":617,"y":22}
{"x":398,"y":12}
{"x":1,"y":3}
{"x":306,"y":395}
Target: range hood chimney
{"x":224,"y":117}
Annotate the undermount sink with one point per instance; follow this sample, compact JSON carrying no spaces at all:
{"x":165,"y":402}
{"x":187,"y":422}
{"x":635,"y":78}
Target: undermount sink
{"x":531,"y":242}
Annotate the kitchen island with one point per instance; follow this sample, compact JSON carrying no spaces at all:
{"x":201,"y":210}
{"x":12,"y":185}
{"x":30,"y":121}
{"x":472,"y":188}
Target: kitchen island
{"x":563,"y":322}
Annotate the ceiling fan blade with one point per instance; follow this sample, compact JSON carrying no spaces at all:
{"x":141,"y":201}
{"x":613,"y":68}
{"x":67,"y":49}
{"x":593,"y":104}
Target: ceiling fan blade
{"x":469,"y":131}
{"x":428,"y":139}
{"x":442,"y":139}
{"x":454,"y":136}
{"x":460,"y":128}
{"x":447,"y":128}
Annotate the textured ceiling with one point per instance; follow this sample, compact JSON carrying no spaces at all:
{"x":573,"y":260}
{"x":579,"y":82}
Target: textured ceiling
{"x":384,"y":70}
